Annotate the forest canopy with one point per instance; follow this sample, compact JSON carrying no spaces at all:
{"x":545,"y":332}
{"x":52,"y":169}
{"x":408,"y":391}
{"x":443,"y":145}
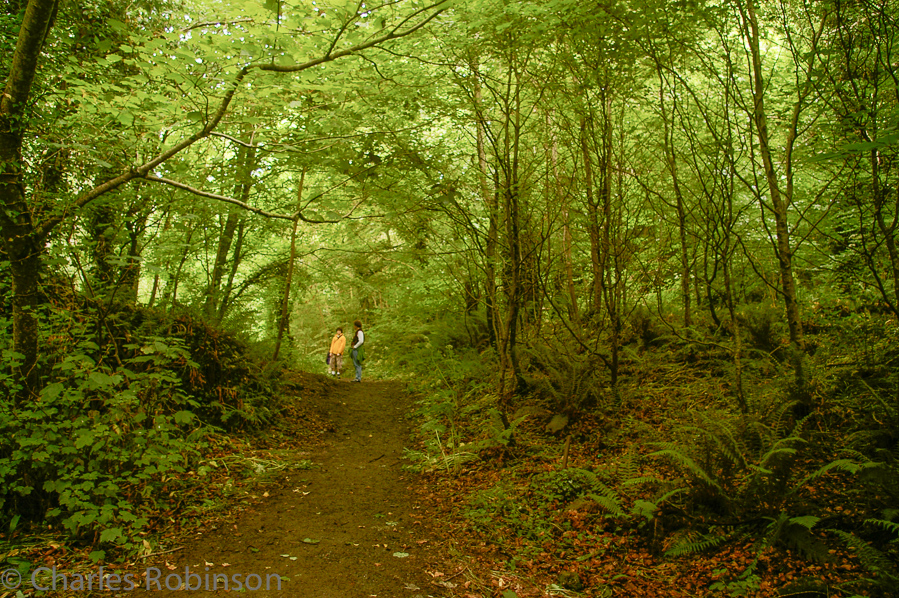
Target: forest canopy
{"x":601,"y":209}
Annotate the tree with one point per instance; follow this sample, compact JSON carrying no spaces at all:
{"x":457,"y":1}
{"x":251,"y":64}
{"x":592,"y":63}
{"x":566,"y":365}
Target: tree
{"x":26,"y":223}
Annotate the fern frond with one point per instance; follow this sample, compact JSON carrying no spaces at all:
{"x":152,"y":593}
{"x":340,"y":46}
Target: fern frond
{"x":607,"y":499}
{"x":645,"y":509}
{"x":780,"y":421}
{"x":844,"y":464}
{"x":781,"y":447}
{"x":642,"y":480}
{"x":874,"y":560}
{"x":728,"y":449}
{"x":687,"y":545}
{"x":806,"y":521}
{"x":671,"y":493}
{"x":628,"y":469}
{"x":890,"y":526}
{"x":800,"y":425}
{"x":687,"y":463}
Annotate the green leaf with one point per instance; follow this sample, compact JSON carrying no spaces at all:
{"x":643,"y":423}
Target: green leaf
{"x":51,"y":391}
{"x":111,"y":534}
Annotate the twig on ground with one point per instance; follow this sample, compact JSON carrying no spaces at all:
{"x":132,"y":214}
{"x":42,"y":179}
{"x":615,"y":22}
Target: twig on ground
{"x":162,"y":552}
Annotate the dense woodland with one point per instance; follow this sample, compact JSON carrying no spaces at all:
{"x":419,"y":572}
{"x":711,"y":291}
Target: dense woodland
{"x":638,"y":258}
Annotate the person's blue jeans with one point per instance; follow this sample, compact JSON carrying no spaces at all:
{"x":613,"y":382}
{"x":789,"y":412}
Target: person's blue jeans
{"x":357,"y":363}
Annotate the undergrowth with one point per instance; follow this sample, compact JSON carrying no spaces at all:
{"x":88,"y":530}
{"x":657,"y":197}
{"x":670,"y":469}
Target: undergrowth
{"x":123,"y":421}
{"x":667,"y":464}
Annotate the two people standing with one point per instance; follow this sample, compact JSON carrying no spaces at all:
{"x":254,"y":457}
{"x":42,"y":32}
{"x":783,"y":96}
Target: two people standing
{"x":357,"y":352}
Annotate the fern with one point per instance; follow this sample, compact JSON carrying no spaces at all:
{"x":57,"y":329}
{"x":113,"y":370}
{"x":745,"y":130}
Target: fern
{"x":729,"y":450}
{"x":844,"y":464}
{"x":688,"y":545}
{"x":890,"y":526}
{"x":628,"y":469}
{"x":873,"y":560}
{"x":779,"y":448}
{"x":640,"y":480}
{"x":671,"y":493}
{"x":687,"y":463}
{"x":806,"y":521}
{"x":606,"y":498}
{"x":645,"y":509}
{"x":783,"y":418}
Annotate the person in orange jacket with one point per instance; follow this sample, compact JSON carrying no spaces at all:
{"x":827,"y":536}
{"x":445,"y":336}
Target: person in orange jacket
{"x":335,"y":353}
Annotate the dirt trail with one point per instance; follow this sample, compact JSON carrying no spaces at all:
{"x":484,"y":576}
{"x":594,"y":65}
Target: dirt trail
{"x":349,"y":527}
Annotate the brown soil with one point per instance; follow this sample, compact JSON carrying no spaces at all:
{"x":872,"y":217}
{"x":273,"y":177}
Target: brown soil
{"x":351,"y":526}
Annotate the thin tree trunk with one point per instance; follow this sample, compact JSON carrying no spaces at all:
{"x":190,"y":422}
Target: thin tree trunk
{"x":285,"y":302}
{"x":155,"y":289}
{"x":489,"y":197}
{"x":593,"y":226}
{"x":235,"y":263}
{"x":246,"y":162}
{"x":562,"y":198}
{"x":779,"y":201}
{"x":671,"y":163}
{"x":177,"y":278}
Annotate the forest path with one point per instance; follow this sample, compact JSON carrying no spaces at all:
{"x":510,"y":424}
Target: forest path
{"x":348,"y":527}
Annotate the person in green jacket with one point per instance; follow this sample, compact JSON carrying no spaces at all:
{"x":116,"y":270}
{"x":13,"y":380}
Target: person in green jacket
{"x":357,"y":352}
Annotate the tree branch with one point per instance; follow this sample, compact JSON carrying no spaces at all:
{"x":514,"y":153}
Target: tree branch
{"x":231,"y":200}
{"x":235,"y":140}
{"x":223,"y":23}
{"x":393,"y":34}
{"x":143,"y":170}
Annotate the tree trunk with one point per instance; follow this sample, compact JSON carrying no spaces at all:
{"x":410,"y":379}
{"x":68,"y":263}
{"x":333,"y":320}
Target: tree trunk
{"x":235,"y":263}
{"x":211,"y":305}
{"x":246,"y":162}
{"x":562,"y":198}
{"x":593,"y":226}
{"x":285,"y":302}
{"x":671,"y":163}
{"x":779,"y":201}
{"x":135,"y":224}
{"x":490,"y":199}
{"x":21,"y":240}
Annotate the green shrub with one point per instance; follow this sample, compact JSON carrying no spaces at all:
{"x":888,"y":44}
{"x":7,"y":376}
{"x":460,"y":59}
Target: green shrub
{"x":85,"y":455}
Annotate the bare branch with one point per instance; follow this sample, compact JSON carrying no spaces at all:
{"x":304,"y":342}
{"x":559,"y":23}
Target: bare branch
{"x":231,"y":200}
{"x":393,"y":34}
{"x":222,"y":23}
{"x":235,"y":140}
{"x":344,"y":28}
